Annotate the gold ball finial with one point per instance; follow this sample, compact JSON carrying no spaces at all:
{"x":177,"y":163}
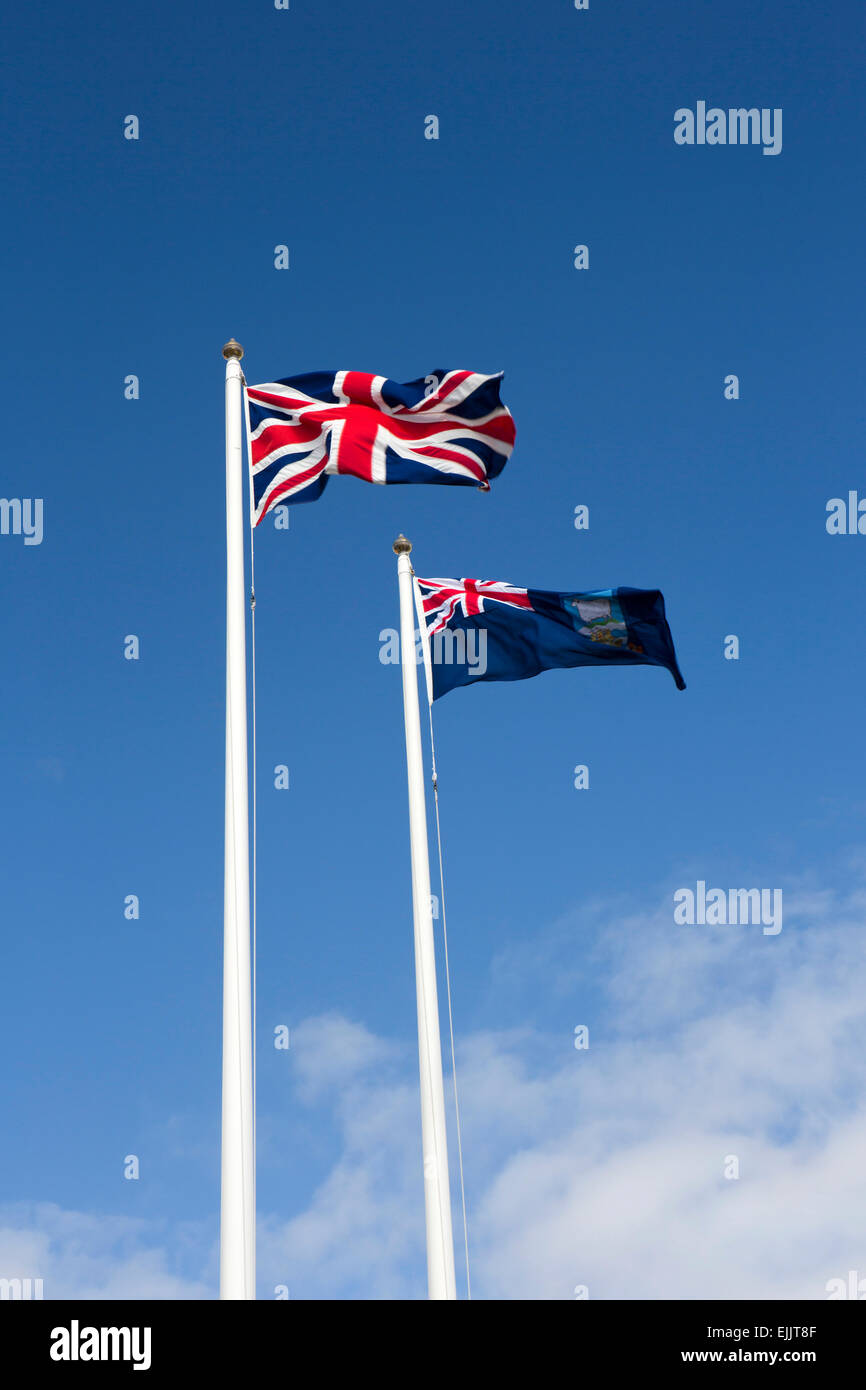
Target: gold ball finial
{"x":401,"y":545}
{"x":233,"y":349}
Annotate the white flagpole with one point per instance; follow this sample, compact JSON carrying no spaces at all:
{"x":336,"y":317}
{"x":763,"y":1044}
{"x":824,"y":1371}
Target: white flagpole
{"x":437,"y":1192}
{"x":238,"y":1195}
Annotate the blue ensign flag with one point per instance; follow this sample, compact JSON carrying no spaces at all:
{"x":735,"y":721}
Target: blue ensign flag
{"x":486,"y":630}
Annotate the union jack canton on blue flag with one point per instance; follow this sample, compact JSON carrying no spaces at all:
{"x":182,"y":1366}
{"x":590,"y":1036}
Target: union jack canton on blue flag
{"x":486,"y":630}
{"x":448,"y":427}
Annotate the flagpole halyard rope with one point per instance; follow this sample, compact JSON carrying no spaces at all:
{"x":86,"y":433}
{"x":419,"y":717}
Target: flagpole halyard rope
{"x":435,"y":780}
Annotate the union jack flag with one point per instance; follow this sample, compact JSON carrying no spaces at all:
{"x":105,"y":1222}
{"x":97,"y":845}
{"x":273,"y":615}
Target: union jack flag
{"x":448,"y":427}
{"x":441,"y":599}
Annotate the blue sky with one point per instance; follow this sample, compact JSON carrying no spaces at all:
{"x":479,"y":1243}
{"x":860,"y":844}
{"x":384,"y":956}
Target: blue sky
{"x":305,"y":127}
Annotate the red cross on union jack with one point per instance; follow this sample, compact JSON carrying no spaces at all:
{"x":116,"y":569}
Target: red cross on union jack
{"x":441,"y":599}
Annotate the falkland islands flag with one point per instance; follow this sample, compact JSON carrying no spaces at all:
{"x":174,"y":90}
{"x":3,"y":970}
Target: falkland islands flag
{"x":486,"y":630}
{"x":448,"y":427}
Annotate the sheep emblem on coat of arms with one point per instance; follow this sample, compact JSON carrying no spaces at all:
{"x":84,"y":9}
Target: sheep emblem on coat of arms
{"x":603,"y":621}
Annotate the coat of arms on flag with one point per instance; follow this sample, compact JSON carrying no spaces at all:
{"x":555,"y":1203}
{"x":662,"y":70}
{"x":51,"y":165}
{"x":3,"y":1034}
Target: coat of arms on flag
{"x":449,"y":427}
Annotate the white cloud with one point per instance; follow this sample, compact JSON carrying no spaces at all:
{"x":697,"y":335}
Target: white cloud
{"x":603,"y":1167}
{"x":79,"y":1255}
{"x":606,"y":1167}
{"x":329,"y":1050}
